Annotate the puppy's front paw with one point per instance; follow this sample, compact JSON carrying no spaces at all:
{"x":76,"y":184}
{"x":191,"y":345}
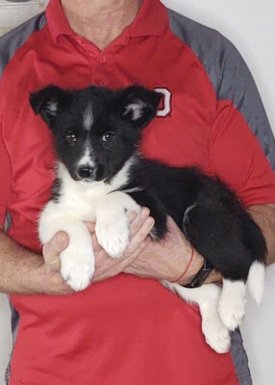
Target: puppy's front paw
{"x":113,"y":235}
{"x":77,"y":267}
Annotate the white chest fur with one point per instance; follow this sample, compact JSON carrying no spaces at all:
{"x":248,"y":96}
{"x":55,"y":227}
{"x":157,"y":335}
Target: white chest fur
{"x":81,"y":198}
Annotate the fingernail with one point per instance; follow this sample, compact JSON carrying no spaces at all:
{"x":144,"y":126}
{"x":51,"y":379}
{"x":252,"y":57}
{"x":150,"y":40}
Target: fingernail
{"x":150,"y":222}
{"x":144,"y":212}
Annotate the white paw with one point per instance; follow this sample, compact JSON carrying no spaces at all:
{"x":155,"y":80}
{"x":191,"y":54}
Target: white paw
{"x":216,"y":334}
{"x":77,"y":266}
{"x":231,"y":312}
{"x":113,"y":235}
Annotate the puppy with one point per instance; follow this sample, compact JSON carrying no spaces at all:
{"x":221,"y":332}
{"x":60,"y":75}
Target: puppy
{"x":101,"y":175}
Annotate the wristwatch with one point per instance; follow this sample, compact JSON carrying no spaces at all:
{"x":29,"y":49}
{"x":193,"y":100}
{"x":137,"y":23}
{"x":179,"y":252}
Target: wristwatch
{"x":201,"y":276}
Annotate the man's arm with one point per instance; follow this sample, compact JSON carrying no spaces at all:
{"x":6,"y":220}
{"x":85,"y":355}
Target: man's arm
{"x":264,"y":216}
{"x":25,"y":272}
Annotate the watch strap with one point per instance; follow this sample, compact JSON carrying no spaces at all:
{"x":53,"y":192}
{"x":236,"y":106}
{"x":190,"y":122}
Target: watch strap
{"x":201,"y":276}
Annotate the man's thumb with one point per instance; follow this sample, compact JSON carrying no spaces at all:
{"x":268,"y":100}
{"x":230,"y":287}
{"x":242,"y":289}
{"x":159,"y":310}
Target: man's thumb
{"x":53,"y":248}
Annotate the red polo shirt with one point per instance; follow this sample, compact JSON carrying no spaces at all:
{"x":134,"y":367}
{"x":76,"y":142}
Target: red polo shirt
{"x":125,"y":330}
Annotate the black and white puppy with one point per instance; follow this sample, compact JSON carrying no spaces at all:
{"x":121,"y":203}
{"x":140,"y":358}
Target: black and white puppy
{"x":101,"y":175}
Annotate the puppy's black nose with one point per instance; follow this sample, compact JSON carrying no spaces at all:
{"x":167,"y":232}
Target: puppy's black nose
{"x":85,"y":171}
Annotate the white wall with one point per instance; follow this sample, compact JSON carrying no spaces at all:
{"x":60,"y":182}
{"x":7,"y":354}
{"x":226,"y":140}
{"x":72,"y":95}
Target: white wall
{"x":250,"y":25}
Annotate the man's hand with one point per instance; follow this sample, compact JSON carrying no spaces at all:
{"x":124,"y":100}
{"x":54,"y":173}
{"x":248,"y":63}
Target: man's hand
{"x":167,"y":259}
{"x":264,"y":216}
{"x":106,"y":267}
{"x":50,"y":269}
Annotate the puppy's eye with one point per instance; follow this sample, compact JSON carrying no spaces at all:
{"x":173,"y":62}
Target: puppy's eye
{"x":70,"y":136}
{"x":108,"y":137}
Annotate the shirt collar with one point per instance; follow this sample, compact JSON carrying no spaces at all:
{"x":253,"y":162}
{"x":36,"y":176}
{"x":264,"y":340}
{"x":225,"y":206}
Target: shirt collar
{"x":56,"y":20}
{"x":151,"y":20}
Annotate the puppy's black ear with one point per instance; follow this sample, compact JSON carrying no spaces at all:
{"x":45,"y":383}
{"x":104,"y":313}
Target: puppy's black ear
{"x":139,"y":105}
{"x":48,"y":102}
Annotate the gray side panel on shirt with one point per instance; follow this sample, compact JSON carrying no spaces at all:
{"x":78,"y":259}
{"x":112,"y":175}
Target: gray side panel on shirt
{"x":9,"y":43}
{"x":229,"y":75}
{"x":231,"y":80}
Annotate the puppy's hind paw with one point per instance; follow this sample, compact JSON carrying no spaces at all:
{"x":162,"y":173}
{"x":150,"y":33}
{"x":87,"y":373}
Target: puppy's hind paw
{"x":216,"y":335}
{"x":231,"y":305}
{"x":232,"y":314}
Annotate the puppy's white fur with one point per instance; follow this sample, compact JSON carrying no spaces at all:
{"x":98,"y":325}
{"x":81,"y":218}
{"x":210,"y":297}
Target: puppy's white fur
{"x":87,"y":201}
{"x":86,"y":159}
{"x":232,"y":303}
{"x":88,"y":117}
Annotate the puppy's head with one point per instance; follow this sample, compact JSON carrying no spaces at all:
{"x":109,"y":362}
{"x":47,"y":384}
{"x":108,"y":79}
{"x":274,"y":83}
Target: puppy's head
{"x":96,"y":130}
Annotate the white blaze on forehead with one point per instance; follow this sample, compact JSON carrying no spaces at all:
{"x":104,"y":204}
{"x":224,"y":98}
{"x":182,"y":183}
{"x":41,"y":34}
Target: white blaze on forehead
{"x":86,"y":159}
{"x":88,"y":117}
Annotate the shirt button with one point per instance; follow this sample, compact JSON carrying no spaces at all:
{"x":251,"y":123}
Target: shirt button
{"x":102,"y":59}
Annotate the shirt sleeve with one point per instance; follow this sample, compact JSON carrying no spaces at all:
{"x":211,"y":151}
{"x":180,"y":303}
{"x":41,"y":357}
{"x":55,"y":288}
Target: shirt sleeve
{"x":237,"y":157}
{"x":234,"y":82}
{"x":5,"y":176}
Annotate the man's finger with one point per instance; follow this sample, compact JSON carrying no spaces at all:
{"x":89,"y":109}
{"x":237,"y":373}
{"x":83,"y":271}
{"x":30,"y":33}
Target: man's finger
{"x":138,"y":221}
{"x":53,"y":248}
{"x":139,"y":236}
{"x":131,"y":215}
{"x":141,"y":247}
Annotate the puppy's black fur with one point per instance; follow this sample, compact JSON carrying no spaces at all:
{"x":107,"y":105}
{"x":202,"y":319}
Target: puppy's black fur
{"x":208,"y":212}
{"x":217,"y":225}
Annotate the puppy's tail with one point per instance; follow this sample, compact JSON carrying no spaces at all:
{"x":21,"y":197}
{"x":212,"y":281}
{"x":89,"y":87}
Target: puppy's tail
{"x":256,"y":281}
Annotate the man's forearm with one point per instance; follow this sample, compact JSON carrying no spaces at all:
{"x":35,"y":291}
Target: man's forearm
{"x":18,"y":267}
{"x":264,"y":216}
{"x":24,"y":272}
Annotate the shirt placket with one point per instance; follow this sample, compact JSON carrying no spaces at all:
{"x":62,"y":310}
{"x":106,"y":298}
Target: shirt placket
{"x":100,"y":77}
{"x":101,"y":63}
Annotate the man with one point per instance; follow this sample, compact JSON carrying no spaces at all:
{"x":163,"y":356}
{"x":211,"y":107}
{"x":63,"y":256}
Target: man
{"x":123,"y":329}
